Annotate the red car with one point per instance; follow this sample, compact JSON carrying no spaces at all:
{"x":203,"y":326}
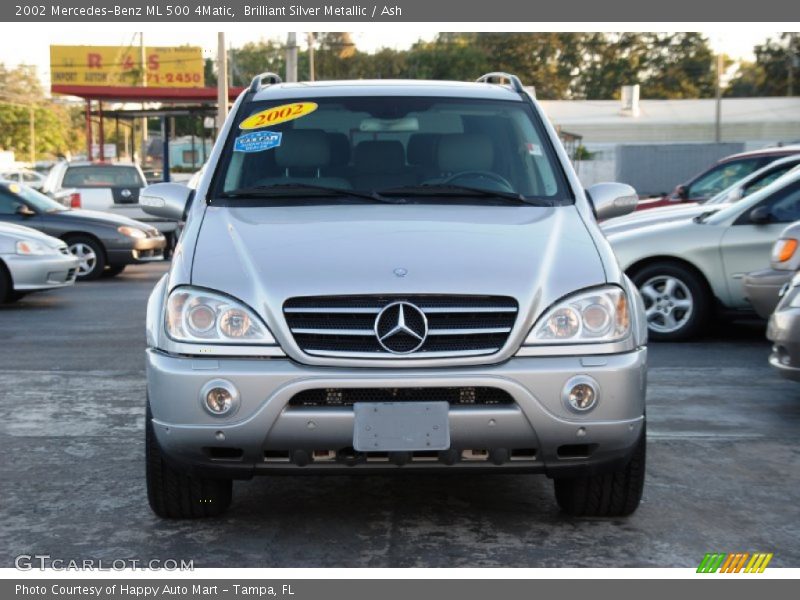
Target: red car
{"x":721,"y":175}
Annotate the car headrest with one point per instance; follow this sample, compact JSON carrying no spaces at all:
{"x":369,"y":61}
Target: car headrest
{"x":422,"y":149}
{"x":385,"y":156}
{"x":465,"y":152}
{"x":339,"y":144}
{"x":303,"y":148}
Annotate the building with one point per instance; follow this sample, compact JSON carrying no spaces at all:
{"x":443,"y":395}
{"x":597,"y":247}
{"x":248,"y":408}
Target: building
{"x":755,"y":121}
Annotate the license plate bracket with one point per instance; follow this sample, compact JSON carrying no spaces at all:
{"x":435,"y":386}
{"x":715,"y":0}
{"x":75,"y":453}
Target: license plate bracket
{"x":401,"y":426}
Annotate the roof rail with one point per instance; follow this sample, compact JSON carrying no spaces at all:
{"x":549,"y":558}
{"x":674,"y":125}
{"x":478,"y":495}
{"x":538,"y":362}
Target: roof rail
{"x":258,"y":81}
{"x":498,"y":77}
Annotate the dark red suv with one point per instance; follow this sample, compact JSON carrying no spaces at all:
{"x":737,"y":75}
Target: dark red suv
{"x":721,"y":175}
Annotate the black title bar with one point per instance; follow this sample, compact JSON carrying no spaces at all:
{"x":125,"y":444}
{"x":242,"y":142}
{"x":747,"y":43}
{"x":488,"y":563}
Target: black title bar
{"x":444,"y":11}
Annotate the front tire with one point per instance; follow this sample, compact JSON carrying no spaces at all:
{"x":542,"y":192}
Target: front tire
{"x":173,"y":494}
{"x":91,"y":255}
{"x":6,"y":287}
{"x":677,"y":301}
{"x":613,"y":494}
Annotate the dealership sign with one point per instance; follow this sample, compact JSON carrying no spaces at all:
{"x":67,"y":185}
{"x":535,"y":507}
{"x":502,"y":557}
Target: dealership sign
{"x":180,"y":66}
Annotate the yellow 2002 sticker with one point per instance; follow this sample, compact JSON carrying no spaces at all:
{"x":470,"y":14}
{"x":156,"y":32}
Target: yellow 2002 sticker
{"x":278,"y":114}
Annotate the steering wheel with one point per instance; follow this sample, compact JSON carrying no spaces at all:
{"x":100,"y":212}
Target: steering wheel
{"x":499,"y":179}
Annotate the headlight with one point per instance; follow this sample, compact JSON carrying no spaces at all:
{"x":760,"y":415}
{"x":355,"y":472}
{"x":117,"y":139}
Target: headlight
{"x":784,"y":249}
{"x":199,"y":316}
{"x":27,"y":248}
{"x":599,"y":315}
{"x":132,"y":232}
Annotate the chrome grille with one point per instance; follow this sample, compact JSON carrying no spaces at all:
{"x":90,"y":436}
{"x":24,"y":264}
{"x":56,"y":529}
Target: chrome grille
{"x":344,"y":326}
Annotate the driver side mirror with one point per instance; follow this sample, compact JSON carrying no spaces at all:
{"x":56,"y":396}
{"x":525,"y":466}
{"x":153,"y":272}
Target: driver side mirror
{"x":24,"y":210}
{"x":761,"y":215}
{"x":612,"y":200}
{"x":682,"y":192}
{"x":165,"y":200}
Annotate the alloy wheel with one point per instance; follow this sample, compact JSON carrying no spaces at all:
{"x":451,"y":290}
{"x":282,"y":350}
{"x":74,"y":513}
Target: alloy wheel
{"x":86,"y":256}
{"x":668,"y":303}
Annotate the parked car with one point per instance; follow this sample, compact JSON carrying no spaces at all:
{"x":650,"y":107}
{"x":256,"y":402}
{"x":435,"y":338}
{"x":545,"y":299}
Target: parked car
{"x":31,"y":261}
{"x":102,"y":186}
{"x":783,"y":331}
{"x":24,"y":176}
{"x":393,"y":276}
{"x":676,"y":212}
{"x":688,"y":270}
{"x":721,"y":175}
{"x":762,"y":288}
{"x":103,"y":243}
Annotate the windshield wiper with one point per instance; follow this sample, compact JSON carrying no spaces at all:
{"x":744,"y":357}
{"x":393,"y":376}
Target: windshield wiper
{"x":702,"y":217}
{"x":276,"y":190}
{"x":434,"y":189}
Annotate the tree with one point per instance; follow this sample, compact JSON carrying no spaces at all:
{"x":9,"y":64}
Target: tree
{"x":777,"y":66}
{"x":54,"y":124}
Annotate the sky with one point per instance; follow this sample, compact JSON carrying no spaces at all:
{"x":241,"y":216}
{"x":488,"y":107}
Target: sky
{"x":22,"y":45}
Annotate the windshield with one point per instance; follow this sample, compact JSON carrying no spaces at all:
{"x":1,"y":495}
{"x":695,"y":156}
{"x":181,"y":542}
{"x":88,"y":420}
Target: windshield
{"x":418,"y":148}
{"x":759,"y":180}
{"x":35,"y":199}
{"x":102,"y":176}
{"x":720,"y":177}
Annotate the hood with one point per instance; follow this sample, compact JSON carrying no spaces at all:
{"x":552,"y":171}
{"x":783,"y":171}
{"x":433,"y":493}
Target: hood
{"x":655,"y":216}
{"x":265,"y":255}
{"x":102,"y":218}
{"x":20,"y":232}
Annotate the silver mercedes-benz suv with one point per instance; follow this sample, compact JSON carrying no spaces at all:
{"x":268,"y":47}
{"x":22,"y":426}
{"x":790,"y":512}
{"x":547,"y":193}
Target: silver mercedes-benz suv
{"x":390,"y":276}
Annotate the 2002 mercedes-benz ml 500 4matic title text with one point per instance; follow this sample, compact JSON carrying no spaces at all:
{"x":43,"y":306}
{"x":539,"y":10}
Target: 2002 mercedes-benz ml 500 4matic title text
{"x":390,"y":276}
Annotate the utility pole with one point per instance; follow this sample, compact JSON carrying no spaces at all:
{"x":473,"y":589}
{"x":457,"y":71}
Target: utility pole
{"x":143,"y":83}
{"x":718,"y":94}
{"x":291,"y":56}
{"x":222,"y":81}
{"x":793,"y":63}
{"x":311,"y":56}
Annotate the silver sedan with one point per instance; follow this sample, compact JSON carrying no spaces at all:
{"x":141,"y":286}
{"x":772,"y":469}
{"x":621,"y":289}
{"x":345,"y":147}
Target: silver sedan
{"x":784,"y":333}
{"x":31,"y":261}
{"x":687,"y":270}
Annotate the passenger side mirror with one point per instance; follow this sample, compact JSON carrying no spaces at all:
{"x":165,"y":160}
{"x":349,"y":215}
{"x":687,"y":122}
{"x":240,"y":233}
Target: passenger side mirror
{"x":761,"y":215}
{"x":165,"y":200}
{"x":24,"y":210}
{"x":612,"y":200}
{"x":682,"y":192}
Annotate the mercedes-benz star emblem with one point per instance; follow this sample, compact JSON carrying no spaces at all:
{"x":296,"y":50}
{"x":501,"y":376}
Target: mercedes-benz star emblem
{"x":400,"y":272}
{"x":126,"y":193}
{"x":401,"y":328}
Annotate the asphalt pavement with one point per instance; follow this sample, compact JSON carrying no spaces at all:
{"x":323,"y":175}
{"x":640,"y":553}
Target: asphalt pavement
{"x":723,"y":466}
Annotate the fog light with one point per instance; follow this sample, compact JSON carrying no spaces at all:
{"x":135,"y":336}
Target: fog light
{"x":581,"y":393}
{"x":219,"y":397}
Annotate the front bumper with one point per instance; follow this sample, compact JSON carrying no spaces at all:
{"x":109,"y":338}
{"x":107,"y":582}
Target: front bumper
{"x":783,"y":331}
{"x":537,"y":432}
{"x":138,"y":251}
{"x":32,"y":273}
{"x":762,"y":288}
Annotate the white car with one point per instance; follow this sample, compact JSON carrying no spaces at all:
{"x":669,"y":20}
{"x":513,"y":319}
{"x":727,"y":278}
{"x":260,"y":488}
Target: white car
{"x":741,"y":189}
{"x":31,"y":261}
{"x":107,"y":187}
{"x":24,"y":176}
{"x":688,"y":269}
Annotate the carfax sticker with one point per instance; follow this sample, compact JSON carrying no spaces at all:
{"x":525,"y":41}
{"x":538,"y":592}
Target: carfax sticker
{"x":534,"y":149}
{"x":278,"y":114}
{"x":257,"y":141}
